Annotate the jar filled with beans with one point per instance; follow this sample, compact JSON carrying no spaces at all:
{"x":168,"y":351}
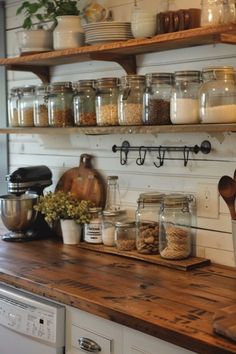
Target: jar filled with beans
{"x":13,"y":100}
{"x":84,"y":103}
{"x":60,"y":104}
{"x":130,"y":100}
{"x":41,"y":106}
{"x":106,"y":101}
{"x":26,"y":106}
{"x":125,"y":235}
{"x":156,"y":99}
{"x":147,"y":221}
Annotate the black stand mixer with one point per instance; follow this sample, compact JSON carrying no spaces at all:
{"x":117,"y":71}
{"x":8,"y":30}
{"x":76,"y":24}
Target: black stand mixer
{"x":25,"y":185}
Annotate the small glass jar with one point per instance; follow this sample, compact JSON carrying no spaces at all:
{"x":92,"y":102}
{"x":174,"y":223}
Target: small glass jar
{"x":26,"y":106}
{"x":84,"y":103}
{"x":130,"y":100}
{"x":125,"y":235}
{"x":175,"y":240}
{"x":156,"y":99}
{"x":228,"y":11}
{"x":211,"y":12}
{"x":217,"y":95}
{"x":60,"y":104}
{"x":184,"y":106}
{"x":93,"y":230}
{"x":13,"y":100}
{"x":106,"y":101}
{"x":41,"y":106}
{"x":147,"y":222}
{"x":113,"y":202}
{"x":110,"y":218}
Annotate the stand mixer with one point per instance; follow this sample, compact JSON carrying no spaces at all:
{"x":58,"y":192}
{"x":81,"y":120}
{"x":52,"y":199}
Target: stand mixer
{"x":25,"y":185}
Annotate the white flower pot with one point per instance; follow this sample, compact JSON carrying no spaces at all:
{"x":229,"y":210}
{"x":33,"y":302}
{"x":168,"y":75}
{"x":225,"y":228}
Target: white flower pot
{"x":68,"y":33}
{"x":71,"y":232}
{"x":35,"y":40}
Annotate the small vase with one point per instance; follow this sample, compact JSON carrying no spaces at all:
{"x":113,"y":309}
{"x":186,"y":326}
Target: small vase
{"x":68,"y":33}
{"x":71,"y":231}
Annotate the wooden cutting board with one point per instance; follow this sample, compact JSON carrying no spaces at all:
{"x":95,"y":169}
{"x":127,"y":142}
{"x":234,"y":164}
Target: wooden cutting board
{"x":224,"y":322}
{"x":84,"y":181}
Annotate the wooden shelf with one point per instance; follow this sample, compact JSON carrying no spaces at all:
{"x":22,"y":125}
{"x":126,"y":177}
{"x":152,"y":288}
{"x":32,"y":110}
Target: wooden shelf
{"x":121,"y":52}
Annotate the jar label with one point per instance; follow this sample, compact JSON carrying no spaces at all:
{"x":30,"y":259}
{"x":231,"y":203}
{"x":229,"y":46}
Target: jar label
{"x":93,"y":232}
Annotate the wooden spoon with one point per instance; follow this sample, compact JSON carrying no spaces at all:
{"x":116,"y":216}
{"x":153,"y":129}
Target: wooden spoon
{"x":227,"y":190}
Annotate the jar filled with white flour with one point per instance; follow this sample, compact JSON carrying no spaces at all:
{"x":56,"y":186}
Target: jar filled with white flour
{"x":218,"y":95}
{"x":184,"y":107}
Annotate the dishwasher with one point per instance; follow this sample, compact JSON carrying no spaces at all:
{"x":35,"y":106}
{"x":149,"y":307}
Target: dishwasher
{"x":30,"y":324}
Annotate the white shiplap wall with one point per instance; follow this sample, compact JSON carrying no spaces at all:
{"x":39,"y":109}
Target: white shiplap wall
{"x":213,"y":237}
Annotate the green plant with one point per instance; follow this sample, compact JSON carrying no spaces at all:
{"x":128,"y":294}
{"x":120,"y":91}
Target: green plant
{"x":61,"y":205}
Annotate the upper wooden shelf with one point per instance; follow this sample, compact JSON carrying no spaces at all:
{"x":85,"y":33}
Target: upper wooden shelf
{"x":121,"y":52}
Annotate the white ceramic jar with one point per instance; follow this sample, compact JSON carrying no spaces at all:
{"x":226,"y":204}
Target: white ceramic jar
{"x":68,"y":33}
{"x":143,"y":23}
{"x":35,"y":40}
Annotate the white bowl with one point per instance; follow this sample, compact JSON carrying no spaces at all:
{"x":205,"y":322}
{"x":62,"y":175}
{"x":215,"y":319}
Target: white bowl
{"x":143,"y":29}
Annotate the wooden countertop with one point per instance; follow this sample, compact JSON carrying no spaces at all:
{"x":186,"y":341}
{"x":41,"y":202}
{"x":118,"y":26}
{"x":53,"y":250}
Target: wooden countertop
{"x":173,"y":305}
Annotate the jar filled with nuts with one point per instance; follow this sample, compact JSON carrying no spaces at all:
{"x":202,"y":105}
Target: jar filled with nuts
{"x":84,"y":103}
{"x":147,"y":221}
{"x":130,"y":100}
{"x":125,"y":235}
{"x":41,"y":106}
{"x":26,"y":106}
{"x":156,"y":99}
{"x":60,"y":104}
{"x":175,"y":227}
{"x":106,"y":101}
{"x":13,"y":99}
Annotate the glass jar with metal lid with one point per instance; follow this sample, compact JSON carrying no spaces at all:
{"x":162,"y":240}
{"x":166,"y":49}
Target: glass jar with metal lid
{"x":130,"y":100}
{"x":26,"y":106}
{"x":13,"y":99}
{"x":125,"y":235}
{"x":93,"y":230}
{"x":60,"y":104}
{"x":175,"y":220}
{"x":156,"y":99}
{"x":217,"y":95}
{"x":106,"y":101}
{"x":184,"y":104}
{"x":84,"y":103}
{"x":41,"y":106}
{"x":110,"y":218}
{"x":147,"y":222}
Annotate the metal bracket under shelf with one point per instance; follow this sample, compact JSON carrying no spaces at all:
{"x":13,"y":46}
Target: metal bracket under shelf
{"x":125,"y":148}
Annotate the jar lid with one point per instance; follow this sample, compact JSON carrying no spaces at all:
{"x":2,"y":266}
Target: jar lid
{"x":218,"y":71}
{"x":60,"y":86}
{"x":95,"y":210}
{"x":112,"y":177}
{"x":125,"y":224}
{"x":27,"y":89}
{"x":176,"y":199}
{"x":107,"y":82}
{"x":159,"y":78}
{"x":41,"y":88}
{"x":84,"y":83}
{"x":151,"y":197}
{"x":111,"y":213}
{"x":132,"y":78}
{"x":193,"y":75}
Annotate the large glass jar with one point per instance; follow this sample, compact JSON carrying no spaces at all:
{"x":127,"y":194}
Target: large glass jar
{"x":106,"y":101}
{"x":13,"y":100}
{"x":26,"y":106}
{"x":41,"y":106}
{"x":147,"y":222}
{"x":110,"y":218}
{"x":211,"y":12}
{"x":84,"y":103}
{"x":175,"y":227}
{"x":130,"y":101}
{"x":93,"y":230}
{"x":218,"y":95}
{"x":156,"y":99}
{"x":125,"y":235}
{"x":184,"y":107}
{"x":113,"y":202}
{"x":60,"y":104}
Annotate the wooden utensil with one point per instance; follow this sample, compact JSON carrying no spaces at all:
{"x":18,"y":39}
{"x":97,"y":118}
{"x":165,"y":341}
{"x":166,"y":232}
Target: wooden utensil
{"x":235,"y":175}
{"x":227,"y":190}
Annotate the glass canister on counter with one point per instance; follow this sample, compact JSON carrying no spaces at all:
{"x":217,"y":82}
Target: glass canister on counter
{"x":113,"y":202}
{"x":156,"y":99}
{"x":184,"y":105}
{"x":125,"y":235}
{"x":110,"y":218}
{"x":93,"y":230}
{"x":175,"y":234}
{"x":13,"y":100}
{"x":41,"y":106}
{"x":147,"y":222}
{"x":26,"y":106}
{"x":84,"y":103}
{"x":60,"y":104}
{"x":217,"y":95}
{"x":130,"y":100}
{"x":106,"y":101}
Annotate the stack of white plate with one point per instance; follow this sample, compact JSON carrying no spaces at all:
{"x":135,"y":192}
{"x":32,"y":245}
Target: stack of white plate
{"x":105,"y":32}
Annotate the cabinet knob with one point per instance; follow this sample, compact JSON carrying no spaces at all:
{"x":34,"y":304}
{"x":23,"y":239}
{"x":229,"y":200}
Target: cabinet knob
{"x":88,"y":345}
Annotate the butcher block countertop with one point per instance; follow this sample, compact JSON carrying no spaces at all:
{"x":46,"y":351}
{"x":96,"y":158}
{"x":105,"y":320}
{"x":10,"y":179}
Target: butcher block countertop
{"x":174,"y":305}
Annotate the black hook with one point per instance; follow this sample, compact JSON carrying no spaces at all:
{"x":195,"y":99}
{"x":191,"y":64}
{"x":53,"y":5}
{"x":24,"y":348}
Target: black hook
{"x":186,"y":155}
{"x":141,"y":159}
{"x":161,"y":157}
{"x":124,"y":150}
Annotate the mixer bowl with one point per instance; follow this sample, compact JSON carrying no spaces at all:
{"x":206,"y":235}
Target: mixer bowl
{"x":18,"y":214}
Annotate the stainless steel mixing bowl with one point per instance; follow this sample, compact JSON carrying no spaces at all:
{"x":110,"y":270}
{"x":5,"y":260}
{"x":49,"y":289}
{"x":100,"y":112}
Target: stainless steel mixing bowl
{"x":18,"y":213}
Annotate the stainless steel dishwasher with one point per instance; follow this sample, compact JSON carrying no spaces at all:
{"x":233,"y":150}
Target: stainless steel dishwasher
{"x":30,"y":324}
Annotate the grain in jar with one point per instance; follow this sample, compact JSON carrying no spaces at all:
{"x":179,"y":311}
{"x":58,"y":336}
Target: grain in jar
{"x":13,"y":99}
{"x":26,"y":106}
{"x":41,"y":106}
{"x":84,"y":103}
{"x":106,"y":101}
{"x":125,"y":235}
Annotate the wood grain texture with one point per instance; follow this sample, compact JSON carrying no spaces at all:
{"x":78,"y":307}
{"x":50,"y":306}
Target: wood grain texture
{"x":224,"y":322}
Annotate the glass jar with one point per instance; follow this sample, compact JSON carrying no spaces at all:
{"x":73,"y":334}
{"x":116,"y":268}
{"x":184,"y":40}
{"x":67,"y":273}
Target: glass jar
{"x":93,"y":230}
{"x":60,"y":104}
{"x":217,"y":95}
{"x":41,"y":106}
{"x":26,"y":106}
{"x":106,"y":101}
{"x":156,"y":99}
{"x":13,"y":100}
{"x":147,"y":222}
{"x":130,"y":100}
{"x":113,"y":202}
{"x":184,"y":106}
{"x":84,"y":103}
{"x":228,"y":11}
{"x":110,"y":218}
{"x":125,"y":235}
{"x":175,"y":227}
{"x":211,"y":12}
